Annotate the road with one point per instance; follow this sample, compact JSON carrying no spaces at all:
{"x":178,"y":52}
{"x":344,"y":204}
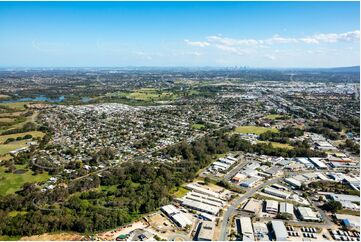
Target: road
{"x":231,"y":209}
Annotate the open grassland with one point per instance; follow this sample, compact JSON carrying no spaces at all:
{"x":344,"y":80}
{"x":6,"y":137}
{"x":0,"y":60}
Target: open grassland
{"x":3,"y":96}
{"x":10,"y":115}
{"x":180,"y":192}
{"x":7,"y":120}
{"x":56,"y":236}
{"x":20,"y":106}
{"x":35,"y":134}
{"x":278,"y":145}
{"x":6,"y":148}
{"x":145,"y":94}
{"x":198,"y":126}
{"x":10,"y":182}
{"x":274,"y":116}
{"x":254,"y":130}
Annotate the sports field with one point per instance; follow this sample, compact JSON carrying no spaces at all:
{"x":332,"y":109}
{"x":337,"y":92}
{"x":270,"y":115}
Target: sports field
{"x":254,"y":130}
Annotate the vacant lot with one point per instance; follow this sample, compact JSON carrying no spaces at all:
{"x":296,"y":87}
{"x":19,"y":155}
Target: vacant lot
{"x":254,"y":130}
{"x":10,"y":182}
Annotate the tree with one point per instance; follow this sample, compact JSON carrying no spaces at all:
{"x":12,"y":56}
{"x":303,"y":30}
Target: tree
{"x":332,"y":206}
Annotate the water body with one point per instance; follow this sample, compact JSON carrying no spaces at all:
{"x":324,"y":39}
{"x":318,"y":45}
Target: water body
{"x":38,"y":98}
{"x":44,"y":99}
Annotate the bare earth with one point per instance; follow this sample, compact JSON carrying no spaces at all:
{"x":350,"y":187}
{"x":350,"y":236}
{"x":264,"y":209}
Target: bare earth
{"x":53,"y":237}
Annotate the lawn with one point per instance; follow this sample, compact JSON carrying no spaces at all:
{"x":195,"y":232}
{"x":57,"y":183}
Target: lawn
{"x":145,"y":94}
{"x":180,"y":192}
{"x":6,"y":148}
{"x":278,"y":145}
{"x":10,"y":182}
{"x":254,"y":130}
{"x":7,"y":120}
{"x":198,"y":126}
{"x":16,"y":105}
{"x":273,"y":116}
{"x":349,"y":212}
{"x":35,"y":134}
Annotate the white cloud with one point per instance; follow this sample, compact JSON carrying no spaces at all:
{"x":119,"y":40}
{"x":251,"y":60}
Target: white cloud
{"x":231,"y":42}
{"x":333,"y":37}
{"x":223,"y":43}
{"x":276,"y":39}
{"x":271,"y":57}
{"x":197,"y":43}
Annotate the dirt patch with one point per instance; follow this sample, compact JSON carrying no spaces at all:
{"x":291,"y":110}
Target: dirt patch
{"x":54,"y":237}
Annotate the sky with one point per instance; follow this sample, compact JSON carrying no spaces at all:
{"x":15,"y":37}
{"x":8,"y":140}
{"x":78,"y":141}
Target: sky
{"x":117,"y":34}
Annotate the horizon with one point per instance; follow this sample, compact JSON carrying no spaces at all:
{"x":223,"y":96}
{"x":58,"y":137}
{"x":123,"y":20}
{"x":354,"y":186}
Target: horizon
{"x":180,"y":34}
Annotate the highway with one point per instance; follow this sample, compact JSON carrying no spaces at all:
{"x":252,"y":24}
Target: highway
{"x":233,"y":206}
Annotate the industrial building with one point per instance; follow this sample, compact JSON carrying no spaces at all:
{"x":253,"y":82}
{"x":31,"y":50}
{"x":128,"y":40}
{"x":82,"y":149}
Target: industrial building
{"x":199,"y":206}
{"x":200,"y":189}
{"x":260,"y":231}
{"x":205,"y":231}
{"x":271,"y":206}
{"x":276,"y":192}
{"x":250,"y":181}
{"x":307,"y":214}
{"x":286,"y":208}
{"x":279,"y":230}
{"x":176,"y":216}
{"x":252,"y":206}
{"x":318,"y":163}
{"x":293,"y":182}
{"x":244,"y":228}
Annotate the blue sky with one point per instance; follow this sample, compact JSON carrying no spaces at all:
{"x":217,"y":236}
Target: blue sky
{"x":256,"y":34}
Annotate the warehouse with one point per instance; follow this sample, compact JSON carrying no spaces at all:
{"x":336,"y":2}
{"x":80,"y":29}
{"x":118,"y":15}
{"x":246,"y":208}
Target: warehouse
{"x":318,"y":163}
{"x":286,"y":208}
{"x":203,"y":200}
{"x":293,"y":182}
{"x":176,"y":216}
{"x":210,"y":198}
{"x":276,"y":192}
{"x":306,"y":214}
{"x":279,"y":230}
{"x":244,"y":228}
{"x":200,"y":206}
{"x":202,"y":190}
{"x":252,"y":206}
{"x":205,"y":231}
{"x":344,"y":198}
{"x":304,"y":161}
{"x":250,"y":181}
{"x":271,"y":206}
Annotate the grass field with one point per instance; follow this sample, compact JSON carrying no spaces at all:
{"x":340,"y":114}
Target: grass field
{"x":278,"y":145}
{"x":273,"y":116}
{"x":198,"y":126}
{"x":7,"y":120}
{"x":6,"y":148}
{"x":10,"y":182}
{"x":35,"y":134}
{"x":18,"y":105}
{"x":146,"y":94}
{"x":180,"y":192}
{"x":3,"y":96}
{"x":254,"y":130}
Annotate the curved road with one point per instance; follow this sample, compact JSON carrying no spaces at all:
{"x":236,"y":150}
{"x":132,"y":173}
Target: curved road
{"x":231,"y":209}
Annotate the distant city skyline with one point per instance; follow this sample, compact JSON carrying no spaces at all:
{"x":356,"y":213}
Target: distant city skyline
{"x":191,"y":34}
